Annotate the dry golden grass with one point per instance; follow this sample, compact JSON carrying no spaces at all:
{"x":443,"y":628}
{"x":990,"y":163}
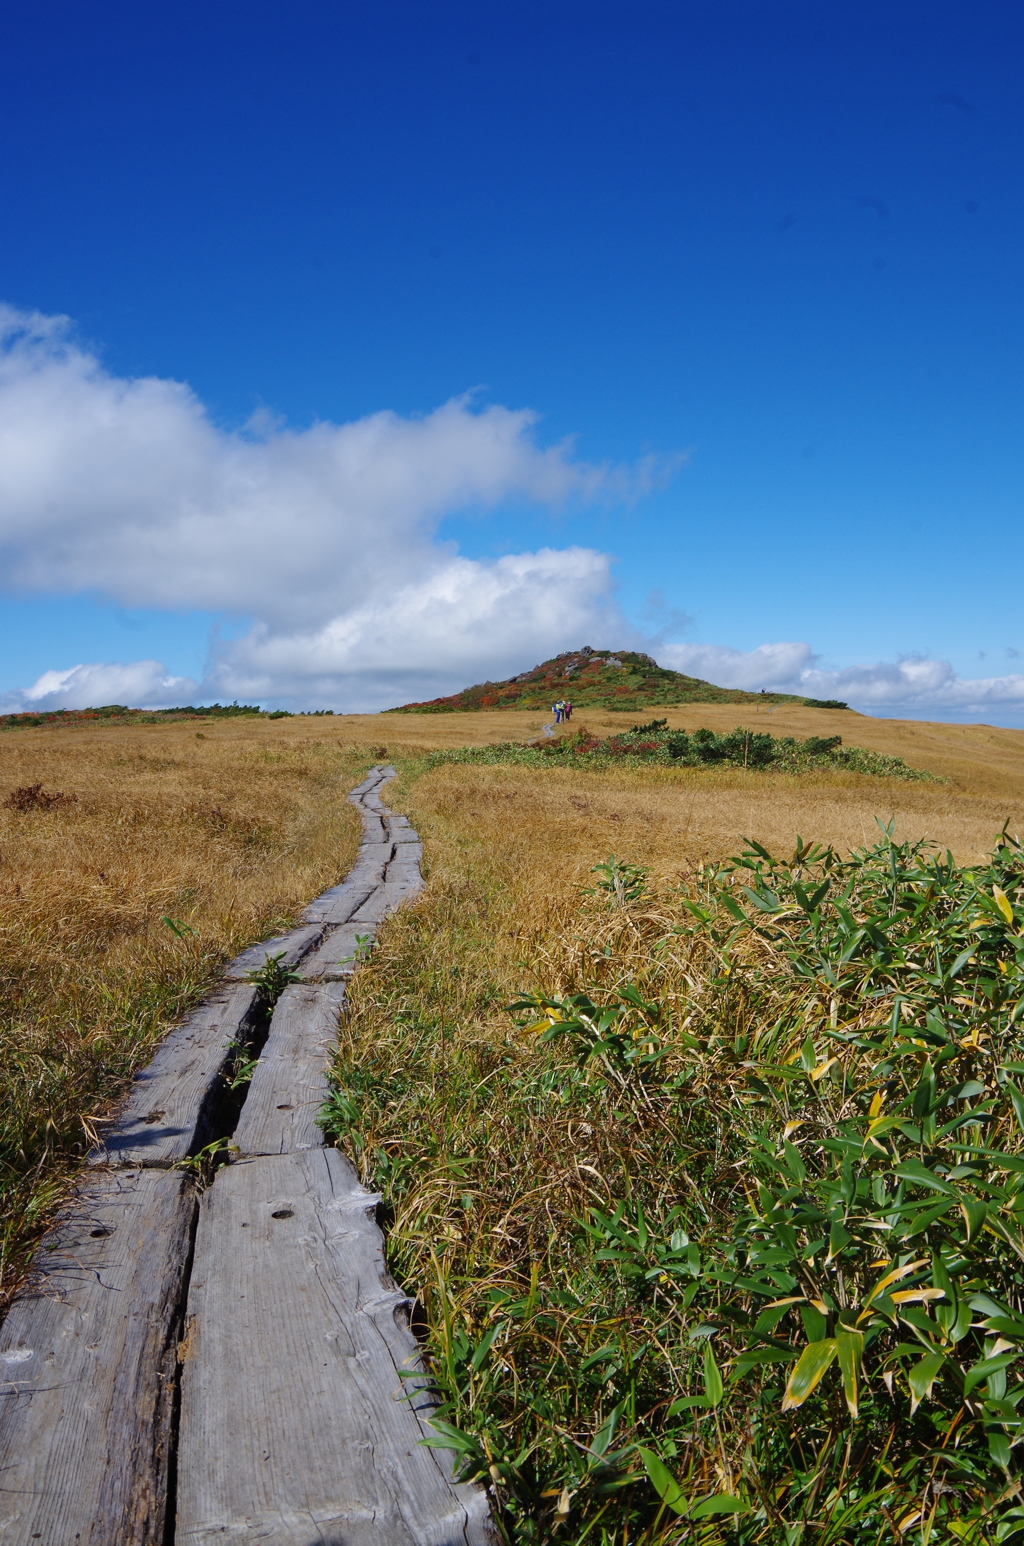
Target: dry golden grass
{"x":228,"y":831}
{"x":667,"y":818}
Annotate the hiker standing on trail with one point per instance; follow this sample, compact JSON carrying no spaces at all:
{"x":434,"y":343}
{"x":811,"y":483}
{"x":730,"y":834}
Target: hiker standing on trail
{"x":556,"y":711}
{"x":567,"y":709}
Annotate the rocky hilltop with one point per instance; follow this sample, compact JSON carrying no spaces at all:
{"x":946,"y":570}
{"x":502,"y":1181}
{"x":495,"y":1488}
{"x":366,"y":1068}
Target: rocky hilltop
{"x":607,"y":679}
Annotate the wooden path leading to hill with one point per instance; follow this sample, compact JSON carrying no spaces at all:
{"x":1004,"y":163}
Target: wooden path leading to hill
{"x":226,"y":1366}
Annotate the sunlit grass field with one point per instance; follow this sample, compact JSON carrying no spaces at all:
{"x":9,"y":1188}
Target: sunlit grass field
{"x":489,"y":1145}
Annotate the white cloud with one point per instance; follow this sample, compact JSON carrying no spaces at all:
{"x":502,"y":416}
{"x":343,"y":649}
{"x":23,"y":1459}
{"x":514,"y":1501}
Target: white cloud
{"x":325,"y":538}
{"x":468,"y":621}
{"x":128,"y":488}
{"x":141,"y":684}
{"x":770,"y":665}
{"x":913,"y":685}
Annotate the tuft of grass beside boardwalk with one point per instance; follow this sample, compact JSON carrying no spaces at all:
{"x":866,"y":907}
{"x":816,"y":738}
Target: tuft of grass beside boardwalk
{"x":747,"y":1155}
{"x":132,"y":863}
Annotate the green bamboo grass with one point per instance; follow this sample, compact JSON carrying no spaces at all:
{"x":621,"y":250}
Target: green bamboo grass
{"x":722,"y":1239}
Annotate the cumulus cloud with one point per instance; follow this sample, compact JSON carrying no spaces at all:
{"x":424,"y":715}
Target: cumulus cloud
{"x":913,"y":685}
{"x":140,"y":684}
{"x":468,"y":621}
{"x":325,"y":537}
{"x":770,"y":665}
{"x":325,"y":540}
{"x":916,"y":683}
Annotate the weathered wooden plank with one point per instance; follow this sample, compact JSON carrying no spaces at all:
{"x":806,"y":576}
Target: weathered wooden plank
{"x":291,"y":947}
{"x":406,"y":863}
{"x":374,"y":827}
{"x":372,"y":857}
{"x":294,"y":1424}
{"x":400,"y":891}
{"x":339,"y":954}
{"x":338,"y":904}
{"x":87,"y":1365}
{"x":384,"y":901}
{"x":170,"y":1106}
{"x":372,"y":854}
{"x":289,"y":1084}
{"x":375,"y":777}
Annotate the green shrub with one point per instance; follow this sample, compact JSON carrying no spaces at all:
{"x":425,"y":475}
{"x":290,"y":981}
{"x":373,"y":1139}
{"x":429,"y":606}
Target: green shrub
{"x":654,"y":742}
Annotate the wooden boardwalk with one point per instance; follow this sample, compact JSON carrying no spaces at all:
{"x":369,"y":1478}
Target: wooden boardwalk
{"x":227,"y":1366}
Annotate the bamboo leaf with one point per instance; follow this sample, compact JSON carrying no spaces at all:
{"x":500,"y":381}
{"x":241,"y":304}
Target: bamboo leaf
{"x":1002,"y":901}
{"x":975,"y":1213}
{"x":812,"y":1365}
{"x":850,"y":1345}
{"x":713,"y":1386}
{"x":894,"y":1277}
{"x":663,"y":1482}
{"x":447,"y":1436}
{"x":987,"y":1366}
{"x":720,"y":1503}
{"x":922,"y":1377}
{"x":961,"y":961}
{"x":913,"y":1170}
{"x":838,"y":1238}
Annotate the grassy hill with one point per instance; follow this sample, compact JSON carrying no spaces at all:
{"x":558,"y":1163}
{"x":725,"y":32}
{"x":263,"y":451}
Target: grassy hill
{"x":608,"y":679}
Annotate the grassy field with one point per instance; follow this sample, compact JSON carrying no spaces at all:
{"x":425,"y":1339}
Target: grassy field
{"x":227,"y":833}
{"x":504,"y":1157}
{"x":689,"y":814}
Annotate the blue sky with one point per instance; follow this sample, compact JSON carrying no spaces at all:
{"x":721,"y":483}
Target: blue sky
{"x":775,"y":249}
